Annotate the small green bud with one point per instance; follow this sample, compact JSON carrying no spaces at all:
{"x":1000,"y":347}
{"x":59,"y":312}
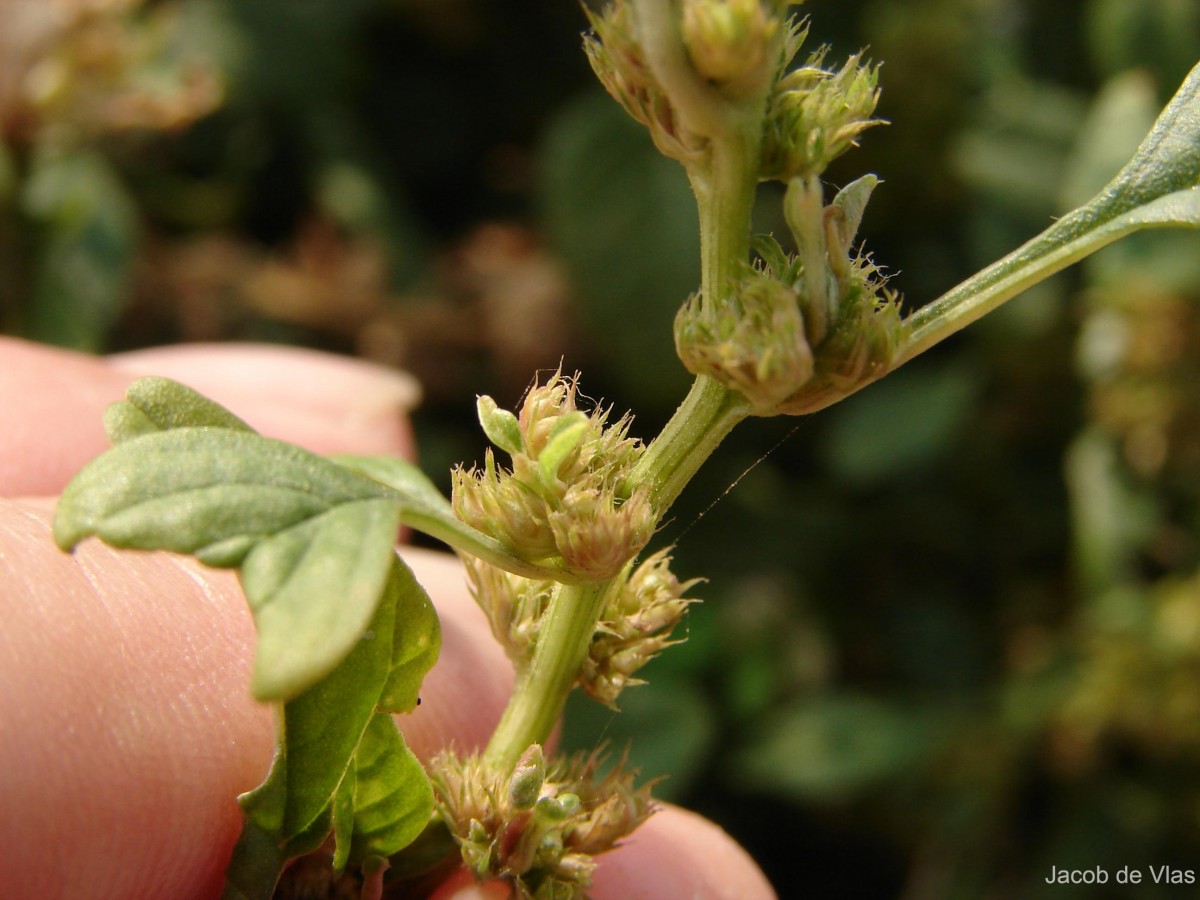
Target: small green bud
{"x":814,"y":116}
{"x":477,"y":850}
{"x":565,"y":437}
{"x":500,"y":426}
{"x":550,"y":810}
{"x":732,"y":44}
{"x":525,"y":786}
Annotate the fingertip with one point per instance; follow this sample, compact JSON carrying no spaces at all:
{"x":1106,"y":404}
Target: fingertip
{"x":323,"y":402}
{"x":676,"y":853}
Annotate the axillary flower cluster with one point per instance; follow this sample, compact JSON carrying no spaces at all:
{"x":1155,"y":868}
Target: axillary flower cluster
{"x":562,"y":497}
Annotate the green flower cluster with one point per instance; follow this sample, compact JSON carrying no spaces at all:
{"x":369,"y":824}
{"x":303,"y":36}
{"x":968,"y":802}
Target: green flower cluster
{"x":563,"y":497}
{"x":538,"y":826}
{"x":643,"y":606}
{"x":796,"y":332}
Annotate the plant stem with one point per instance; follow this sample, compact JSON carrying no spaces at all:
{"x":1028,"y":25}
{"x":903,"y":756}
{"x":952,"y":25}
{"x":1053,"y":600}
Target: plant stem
{"x":542,"y":687}
{"x":1065,"y":242}
{"x":707,"y":414}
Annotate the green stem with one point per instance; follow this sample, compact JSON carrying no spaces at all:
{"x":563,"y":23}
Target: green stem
{"x":1065,"y":242}
{"x":707,"y":414}
{"x":542,"y":686}
{"x":724,"y":192}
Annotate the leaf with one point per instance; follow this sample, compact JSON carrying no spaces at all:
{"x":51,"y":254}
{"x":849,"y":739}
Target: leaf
{"x":564,"y":438}
{"x":415,"y":645}
{"x":622,"y":218}
{"x":424,"y":508}
{"x":500,"y":426}
{"x":851,"y":203}
{"x":342,"y":809}
{"x":160,"y":404}
{"x":313,"y":589}
{"x":1159,"y":187}
{"x":393,"y":798}
{"x":200,"y":491}
{"x":320,"y":733}
{"x":903,"y":424}
{"x":255,"y":865}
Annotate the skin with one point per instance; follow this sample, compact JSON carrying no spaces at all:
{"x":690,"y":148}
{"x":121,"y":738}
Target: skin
{"x":126,"y":726}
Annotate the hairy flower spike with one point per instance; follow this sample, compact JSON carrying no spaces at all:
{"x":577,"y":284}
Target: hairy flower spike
{"x":794,"y":333}
{"x":635,"y":627}
{"x":815,"y":115}
{"x":542,"y":845}
{"x":562,"y":497}
{"x":755,"y":344}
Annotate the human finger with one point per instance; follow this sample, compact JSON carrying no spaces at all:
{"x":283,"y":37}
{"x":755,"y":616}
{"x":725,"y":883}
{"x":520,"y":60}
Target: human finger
{"x":54,"y":401}
{"x":126,"y":725}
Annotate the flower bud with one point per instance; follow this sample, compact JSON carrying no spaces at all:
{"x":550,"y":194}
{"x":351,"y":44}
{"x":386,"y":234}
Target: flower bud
{"x":547,"y":849}
{"x":635,"y":626}
{"x":617,"y":59}
{"x":754,"y":344}
{"x":814,"y":116}
{"x":525,"y":785}
{"x":561,"y":497}
{"x":733,"y":44}
{"x":500,"y":426}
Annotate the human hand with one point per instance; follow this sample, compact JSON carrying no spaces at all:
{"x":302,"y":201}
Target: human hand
{"x":126,"y":725}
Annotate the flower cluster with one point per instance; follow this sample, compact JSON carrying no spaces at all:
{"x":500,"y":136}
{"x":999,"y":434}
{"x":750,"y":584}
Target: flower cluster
{"x":815,"y":115}
{"x":732,"y":52}
{"x":620,"y":63}
{"x":797,"y":332}
{"x":644,"y":605}
{"x":635,"y":626}
{"x":564,"y":497}
{"x":538,"y":826}
{"x":732,"y":44}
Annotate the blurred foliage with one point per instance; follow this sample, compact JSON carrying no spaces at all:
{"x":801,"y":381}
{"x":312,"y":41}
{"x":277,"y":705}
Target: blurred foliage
{"x":952,"y":634}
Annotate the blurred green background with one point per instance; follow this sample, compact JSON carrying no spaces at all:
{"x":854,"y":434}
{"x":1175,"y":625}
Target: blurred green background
{"x":952,"y":626}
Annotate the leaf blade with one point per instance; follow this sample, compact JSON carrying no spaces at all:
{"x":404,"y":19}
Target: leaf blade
{"x":186,"y":489}
{"x":290,"y":578}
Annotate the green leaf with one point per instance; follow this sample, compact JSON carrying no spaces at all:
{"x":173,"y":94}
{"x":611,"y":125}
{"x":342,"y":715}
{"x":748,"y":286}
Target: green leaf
{"x":83,"y":270}
{"x":160,"y":404}
{"x":851,"y":202}
{"x":321,"y":731}
{"x":313,"y":589}
{"x":393,"y":798}
{"x":416,"y":644}
{"x":342,"y":809}
{"x":837,"y":747}
{"x":424,"y":508}
{"x":622,"y":218}
{"x":255,"y":866}
{"x":1159,"y":187}
{"x":192,"y":489}
{"x":907,"y":422}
